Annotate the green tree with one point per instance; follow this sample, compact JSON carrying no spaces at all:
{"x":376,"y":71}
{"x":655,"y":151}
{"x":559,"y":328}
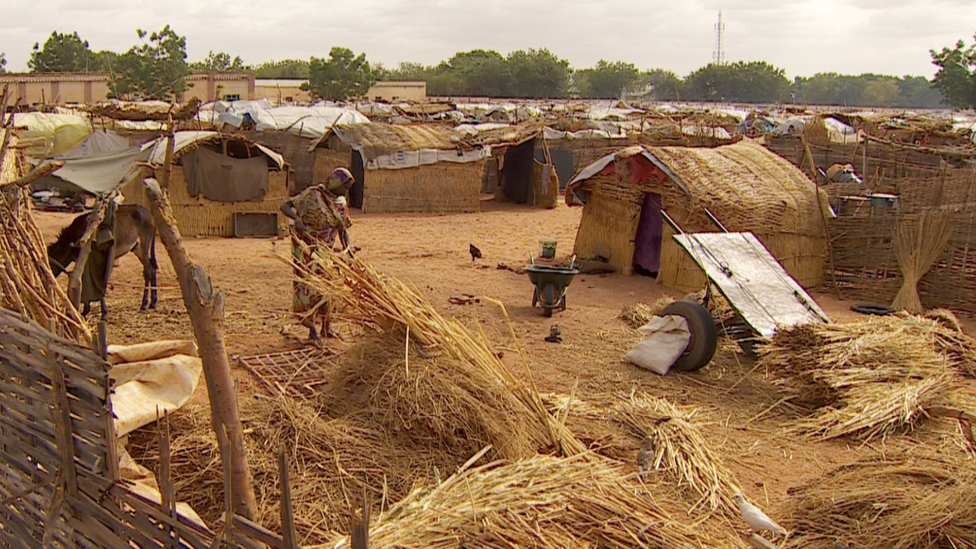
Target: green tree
{"x":219,"y":62}
{"x":956,"y":77}
{"x":880,"y":92}
{"x":752,"y":82}
{"x":3,"y":62}
{"x":478,"y":72}
{"x":285,"y":69}
{"x":538,"y":73}
{"x":406,"y":71}
{"x":918,"y":92}
{"x":155,"y":69}
{"x":342,"y":76}
{"x":608,"y":80}
{"x":61,"y":53}
{"x":665,"y":85}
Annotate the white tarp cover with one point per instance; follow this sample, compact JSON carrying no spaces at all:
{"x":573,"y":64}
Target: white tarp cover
{"x":183,"y":140}
{"x":151,"y":378}
{"x":61,"y":132}
{"x":839,"y":132}
{"x":424,"y":157}
{"x":665,"y":339}
{"x":311,"y":122}
{"x":103,"y":173}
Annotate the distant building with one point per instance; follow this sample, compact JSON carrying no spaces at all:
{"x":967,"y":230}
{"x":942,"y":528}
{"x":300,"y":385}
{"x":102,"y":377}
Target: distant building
{"x":281,"y":91}
{"x":56,"y":88}
{"x":220,"y":86}
{"x":398,"y":91}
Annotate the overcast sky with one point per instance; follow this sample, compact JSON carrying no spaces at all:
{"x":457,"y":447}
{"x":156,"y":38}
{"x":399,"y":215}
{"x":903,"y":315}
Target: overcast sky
{"x":890,"y":37}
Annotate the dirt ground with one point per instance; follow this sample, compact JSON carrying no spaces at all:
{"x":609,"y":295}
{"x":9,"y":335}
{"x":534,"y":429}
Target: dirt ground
{"x":746,"y":417}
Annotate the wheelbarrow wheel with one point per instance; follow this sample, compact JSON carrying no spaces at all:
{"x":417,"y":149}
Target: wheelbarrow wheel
{"x":704,"y":336}
{"x":548,"y":300}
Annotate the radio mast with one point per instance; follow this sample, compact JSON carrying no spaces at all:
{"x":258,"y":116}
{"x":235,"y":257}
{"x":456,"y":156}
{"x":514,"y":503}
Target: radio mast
{"x":719,"y":55}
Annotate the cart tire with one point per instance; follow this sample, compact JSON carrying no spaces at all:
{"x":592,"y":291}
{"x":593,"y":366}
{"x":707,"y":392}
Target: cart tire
{"x":872,"y":309}
{"x":704,"y":335}
{"x":548,"y":300}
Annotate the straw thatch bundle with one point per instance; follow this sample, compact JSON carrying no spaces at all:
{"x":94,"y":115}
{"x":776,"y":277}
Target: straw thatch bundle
{"x":27,"y":285}
{"x":539,"y":502}
{"x":901,"y":502}
{"x":870,"y":378}
{"x":918,"y":244}
{"x":357,"y":290}
{"x":681,"y":451}
{"x":637,"y":315}
{"x":438,"y":404}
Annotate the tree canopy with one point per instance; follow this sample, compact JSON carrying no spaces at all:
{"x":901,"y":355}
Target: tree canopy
{"x":286,"y":68}
{"x":3,"y":62}
{"x":156,"y":69}
{"x":219,"y":62}
{"x":62,"y":53}
{"x":752,"y":82}
{"x":538,"y":73}
{"x":609,"y":80}
{"x":956,"y":77}
{"x":342,"y":76}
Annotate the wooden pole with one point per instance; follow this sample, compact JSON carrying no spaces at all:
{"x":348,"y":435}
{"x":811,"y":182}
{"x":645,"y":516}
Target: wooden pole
{"x":205,"y":306}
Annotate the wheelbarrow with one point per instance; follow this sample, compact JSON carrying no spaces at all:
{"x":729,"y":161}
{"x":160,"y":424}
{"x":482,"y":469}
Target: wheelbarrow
{"x":550,"y":285}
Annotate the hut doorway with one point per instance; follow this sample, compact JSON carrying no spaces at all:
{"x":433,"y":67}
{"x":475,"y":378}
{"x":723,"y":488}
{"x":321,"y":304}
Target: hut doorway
{"x":358,"y":173}
{"x":650,"y":230}
{"x":517,"y":171}
{"x":563,"y":161}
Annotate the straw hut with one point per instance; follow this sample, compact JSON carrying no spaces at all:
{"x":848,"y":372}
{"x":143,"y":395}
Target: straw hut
{"x":744,"y":185}
{"x":420,"y":168}
{"x":220,"y":183}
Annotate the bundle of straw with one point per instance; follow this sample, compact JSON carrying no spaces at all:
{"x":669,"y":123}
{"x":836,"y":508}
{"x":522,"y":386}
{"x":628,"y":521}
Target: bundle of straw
{"x":636,"y":315}
{"x":438,"y":404}
{"x":27,"y":284}
{"x":874,"y":378}
{"x":356,"y":289}
{"x":539,"y":502}
{"x":895,"y":501}
{"x":918,"y":243}
{"x":681,"y":451}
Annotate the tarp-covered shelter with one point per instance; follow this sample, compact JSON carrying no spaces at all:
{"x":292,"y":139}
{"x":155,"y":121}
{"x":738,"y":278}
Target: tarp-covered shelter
{"x":216,"y":176}
{"x":748,"y":189}
{"x":97,"y":165}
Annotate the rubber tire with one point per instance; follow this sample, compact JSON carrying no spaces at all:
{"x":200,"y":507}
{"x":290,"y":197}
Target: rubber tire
{"x":874,"y":309}
{"x":548,"y":297}
{"x":704,"y":335}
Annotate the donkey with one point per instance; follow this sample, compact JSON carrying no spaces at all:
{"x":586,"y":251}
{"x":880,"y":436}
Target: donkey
{"x":134,"y":230}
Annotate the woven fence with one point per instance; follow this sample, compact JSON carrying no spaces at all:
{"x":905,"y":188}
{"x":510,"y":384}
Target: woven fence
{"x":59,"y":478}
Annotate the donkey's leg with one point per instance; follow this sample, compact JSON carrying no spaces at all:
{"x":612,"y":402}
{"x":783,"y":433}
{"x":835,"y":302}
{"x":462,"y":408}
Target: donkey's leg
{"x":153,"y":268}
{"x":104,"y":308}
{"x":86,"y":309}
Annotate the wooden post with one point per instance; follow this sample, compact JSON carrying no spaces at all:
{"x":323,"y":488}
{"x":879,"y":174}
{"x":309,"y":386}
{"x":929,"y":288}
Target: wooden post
{"x":74,"y":279}
{"x":205,"y":306}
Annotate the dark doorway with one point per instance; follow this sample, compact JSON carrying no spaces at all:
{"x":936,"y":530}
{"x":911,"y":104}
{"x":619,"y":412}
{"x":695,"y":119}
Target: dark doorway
{"x":650,"y":229}
{"x":517,"y":169}
{"x":563,"y":161}
{"x":358,"y":173}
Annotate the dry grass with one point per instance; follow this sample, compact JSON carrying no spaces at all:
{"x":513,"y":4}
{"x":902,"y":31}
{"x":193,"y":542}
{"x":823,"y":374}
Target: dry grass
{"x":544,"y":501}
{"x":636,"y":315}
{"x":898,"y":501}
{"x":869,"y":379}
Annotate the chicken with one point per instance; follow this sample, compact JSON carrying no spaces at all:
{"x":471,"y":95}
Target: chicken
{"x":755,"y":518}
{"x":475,"y":252}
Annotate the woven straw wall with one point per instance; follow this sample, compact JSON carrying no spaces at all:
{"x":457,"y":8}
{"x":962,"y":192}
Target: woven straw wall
{"x":201,"y":217}
{"x":327,"y":160}
{"x":437,"y":188}
{"x":746,"y":187}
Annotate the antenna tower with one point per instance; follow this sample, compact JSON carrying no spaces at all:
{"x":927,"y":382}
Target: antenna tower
{"x":719,"y":55}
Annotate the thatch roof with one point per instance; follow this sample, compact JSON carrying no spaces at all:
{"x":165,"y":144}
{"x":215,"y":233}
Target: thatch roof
{"x":146,"y":110}
{"x":376,"y":139}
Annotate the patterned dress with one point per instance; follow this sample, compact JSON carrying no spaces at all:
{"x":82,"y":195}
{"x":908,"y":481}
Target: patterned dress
{"x":325,"y":216}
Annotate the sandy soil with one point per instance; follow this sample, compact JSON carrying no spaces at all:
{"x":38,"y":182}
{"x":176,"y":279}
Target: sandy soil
{"x":745,"y":416}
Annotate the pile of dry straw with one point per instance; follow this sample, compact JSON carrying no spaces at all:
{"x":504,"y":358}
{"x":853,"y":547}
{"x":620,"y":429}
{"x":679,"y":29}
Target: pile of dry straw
{"x":873,"y":378}
{"x":902,"y":501}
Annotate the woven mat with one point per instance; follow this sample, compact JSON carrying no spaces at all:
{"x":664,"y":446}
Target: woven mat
{"x":298,"y":374}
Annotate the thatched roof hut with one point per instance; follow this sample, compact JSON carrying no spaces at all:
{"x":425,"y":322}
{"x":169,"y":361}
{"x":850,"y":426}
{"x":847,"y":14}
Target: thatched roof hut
{"x":221,"y":183}
{"x":417,"y":168}
{"x":744,"y":185}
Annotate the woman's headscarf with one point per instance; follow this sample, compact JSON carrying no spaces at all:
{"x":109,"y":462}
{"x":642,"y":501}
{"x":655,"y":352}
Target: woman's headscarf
{"x":340,"y":181}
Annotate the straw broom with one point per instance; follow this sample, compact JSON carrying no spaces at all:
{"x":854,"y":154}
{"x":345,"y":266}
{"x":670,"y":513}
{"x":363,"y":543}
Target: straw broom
{"x":355,"y":287}
{"x":539,"y":502}
{"x":917,"y":246}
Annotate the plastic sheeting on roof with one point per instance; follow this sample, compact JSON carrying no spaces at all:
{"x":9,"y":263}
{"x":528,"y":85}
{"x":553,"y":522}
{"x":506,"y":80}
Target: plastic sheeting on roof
{"x":183,"y":140}
{"x":424,"y":157}
{"x":61,"y":132}
{"x":839,"y":132}
{"x":313,"y":122}
{"x":101,"y":173}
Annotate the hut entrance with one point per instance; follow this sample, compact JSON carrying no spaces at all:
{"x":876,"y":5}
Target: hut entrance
{"x":563,"y":160}
{"x":647,"y":243}
{"x":517,"y":170}
{"x":358,"y":173}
